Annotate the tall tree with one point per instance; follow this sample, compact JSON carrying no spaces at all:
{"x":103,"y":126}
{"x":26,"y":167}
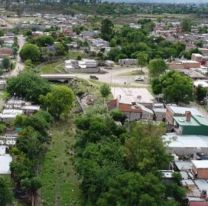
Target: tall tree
{"x":107,"y":29}
{"x":5,"y":193}
{"x":157,"y":67}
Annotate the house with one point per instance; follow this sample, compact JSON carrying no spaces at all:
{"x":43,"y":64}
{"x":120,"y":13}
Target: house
{"x":127,"y":62}
{"x":200,"y":169}
{"x":185,"y":144}
{"x":135,"y":103}
{"x":6,"y":52}
{"x":197,"y":57}
{"x":191,"y":124}
{"x":133,"y":96}
{"x":177,"y":111}
{"x":184,"y":64}
{"x":132,"y":112}
{"x":197,"y":203}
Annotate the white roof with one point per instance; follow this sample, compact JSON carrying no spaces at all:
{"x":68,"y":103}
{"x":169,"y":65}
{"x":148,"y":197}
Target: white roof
{"x":183,"y":110}
{"x":12,"y":111}
{"x":31,"y":107}
{"x":5,"y":160}
{"x":185,"y":141}
{"x":129,"y":95}
{"x":202,"y":164}
{"x":202,"y":83}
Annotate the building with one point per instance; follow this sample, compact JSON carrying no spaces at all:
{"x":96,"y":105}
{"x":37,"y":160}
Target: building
{"x":133,"y":96}
{"x":184,"y":64}
{"x":186,"y":144}
{"x":131,"y":111}
{"x":5,"y":160}
{"x":127,"y":62}
{"x":177,"y":111}
{"x":202,"y":83}
{"x":197,"y":57}
{"x":191,"y":124}
{"x":83,"y":66}
{"x":200,"y":169}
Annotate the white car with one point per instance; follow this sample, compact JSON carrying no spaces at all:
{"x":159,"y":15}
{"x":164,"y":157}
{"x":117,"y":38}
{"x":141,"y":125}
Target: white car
{"x":139,"y":79}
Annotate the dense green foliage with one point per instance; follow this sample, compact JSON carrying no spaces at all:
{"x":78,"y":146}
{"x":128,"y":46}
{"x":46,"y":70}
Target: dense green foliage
{"x":59,"y":101}
{"x":186,"y":25}
{"x":200,"y":93}
{"x":174,"y":86}
{"x":157,"y":67}
{"x":29,"y":152}
{"x":30,"y":52}
{"x":107,"y":29}
{"x":129,"y":43}
{"x":5,"y":193}
{"x":120,"y":168}
{"x":28,"y":85}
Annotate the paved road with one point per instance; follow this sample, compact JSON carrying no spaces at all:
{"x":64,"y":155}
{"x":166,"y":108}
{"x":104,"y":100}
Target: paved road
{"x":117,"y":76}
{"x":19,"y":64}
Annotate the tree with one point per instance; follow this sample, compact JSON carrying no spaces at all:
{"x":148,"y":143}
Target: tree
{"x":105,"y":90}
{"x":6,"y":63}
{"x":1,"y":32}
{"x":186,"y":25}
{"x":28,"y":85}
{"x":175,"y":87}
{"x":5,"y":193}
{"x":107,"y":29}
{"x":142,"y":58}
{"x":59,"y":101}
{"x":157,"y":67}
{"x":200,"y":93}
{"x":31,"y":52}
{"x":43,"y":40}
{"x":144,"y":150}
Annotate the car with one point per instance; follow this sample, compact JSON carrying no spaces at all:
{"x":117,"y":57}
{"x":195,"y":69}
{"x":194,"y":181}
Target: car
{"x":139,"y":79}
{"x":94,"y":77}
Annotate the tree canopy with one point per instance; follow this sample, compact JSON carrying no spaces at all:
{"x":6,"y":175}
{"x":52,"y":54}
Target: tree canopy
{"x":174,"y":86}
{"x":59,"y":101}
{"x":5,"y":193}
{"x":157,"y":67}
{"x":30,"y":52}
{"x":107,"y":29}
{"x":28,"y":85}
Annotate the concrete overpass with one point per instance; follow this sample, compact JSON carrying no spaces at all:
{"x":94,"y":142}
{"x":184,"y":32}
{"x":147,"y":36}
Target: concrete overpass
{"x":58,"y":77}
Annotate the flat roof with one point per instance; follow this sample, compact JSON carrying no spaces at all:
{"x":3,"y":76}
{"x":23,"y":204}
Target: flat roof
{"x":182,"y":110}
{"x":183,"y":122}
{"x":5,"y":161}
{"x":183,"y":165}
{"x":201,"y":164}
{"x":129,"y":95}
{"x":185,"y":141}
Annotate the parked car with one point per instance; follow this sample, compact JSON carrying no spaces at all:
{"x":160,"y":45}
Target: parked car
{"x":94,"y":77}
{"x":139,"y":79}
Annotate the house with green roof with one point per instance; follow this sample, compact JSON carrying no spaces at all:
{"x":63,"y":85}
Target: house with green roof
{"x":191,"y":125}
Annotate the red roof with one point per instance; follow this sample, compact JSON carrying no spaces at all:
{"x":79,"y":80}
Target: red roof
{"x":198,"y":204}
{"x":123,"y":107}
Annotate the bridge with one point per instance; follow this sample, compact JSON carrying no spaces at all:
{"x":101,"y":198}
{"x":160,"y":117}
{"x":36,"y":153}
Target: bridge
{"x":58,"y":77}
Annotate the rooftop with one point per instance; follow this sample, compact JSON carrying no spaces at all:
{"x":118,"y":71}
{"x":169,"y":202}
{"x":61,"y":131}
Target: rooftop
{"x":185,"y":141}
{"x":202,"y":164}
{"x":182,"y":110}
{"x":130,"y":95}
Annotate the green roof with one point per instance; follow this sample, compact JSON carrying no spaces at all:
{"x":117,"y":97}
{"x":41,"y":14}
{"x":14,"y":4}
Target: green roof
{"x":201,"y":120}
{"x":182,"y":121}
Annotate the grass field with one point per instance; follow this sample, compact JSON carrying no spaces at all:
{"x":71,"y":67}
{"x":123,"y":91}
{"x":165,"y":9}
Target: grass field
{"x":57,"y":67}
{"x":60,"y":183}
